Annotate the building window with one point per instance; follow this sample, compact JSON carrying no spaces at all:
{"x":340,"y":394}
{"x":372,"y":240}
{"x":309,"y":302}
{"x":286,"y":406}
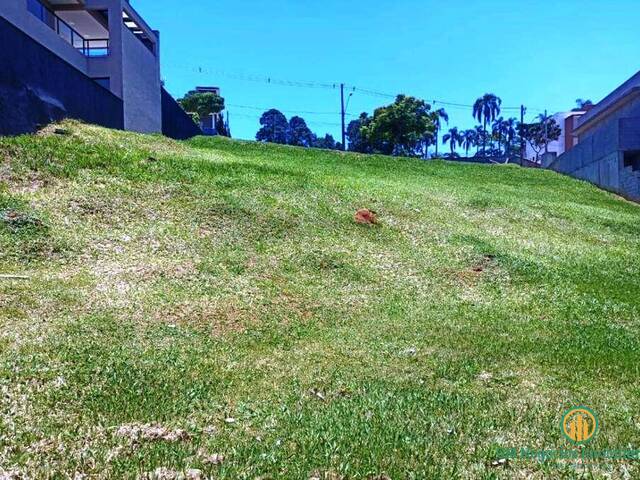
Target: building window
{"x":35,"y":7}
{"x":632,"y":159}
{"x":104,"y":82}
{"x":42,"y":13}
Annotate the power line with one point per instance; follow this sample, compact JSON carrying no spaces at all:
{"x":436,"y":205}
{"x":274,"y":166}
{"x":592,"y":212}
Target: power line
{"x":301,"y":112}
{"x":375,"y":93}
{"x":331,"y":86}
{"x":262,"y":78}
{"x":308,"y":122}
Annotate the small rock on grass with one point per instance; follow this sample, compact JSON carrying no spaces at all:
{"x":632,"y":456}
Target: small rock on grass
{"x":314,"y":392}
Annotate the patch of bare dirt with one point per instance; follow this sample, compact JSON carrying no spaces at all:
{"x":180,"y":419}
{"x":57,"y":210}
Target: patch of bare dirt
{"x":222,"y":317}
{"x":485,"y":262}
{"x":163,"y":473}
{"x":149,"y":432}
{"x":364,"y":216}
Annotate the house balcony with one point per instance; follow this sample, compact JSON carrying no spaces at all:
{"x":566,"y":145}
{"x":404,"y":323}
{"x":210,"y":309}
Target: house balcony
{"x":87,"y":31}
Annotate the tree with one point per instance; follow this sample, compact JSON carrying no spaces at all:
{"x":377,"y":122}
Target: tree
{"x":299,"y":134}
{"x":497,"y":131}
{"x":469,"y":138}
{"x":428,"y":140}
{"x":480,"y":137}
{"x":327,"y":142}
{"x":546,"y":127}
{"x":275,"y":127}
{"x":510,"y":132}
{"x":539,"y":134}
{"x":438,"y":116}
{"x":582,"y":104}
{"x":485,"y":110}
{"x":356,"y":142}
{"x":201,"y":104}
{"x":399,"y":128}
{"x":454,"y":138}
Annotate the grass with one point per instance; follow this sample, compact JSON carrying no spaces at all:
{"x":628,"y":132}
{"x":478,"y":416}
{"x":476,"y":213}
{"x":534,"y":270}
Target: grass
{"x":222,"y":289}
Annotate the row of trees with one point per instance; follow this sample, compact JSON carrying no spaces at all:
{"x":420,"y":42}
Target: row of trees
{"x":504,"y":138}
{"x":409,"y":127}
{"x":275,"y":128}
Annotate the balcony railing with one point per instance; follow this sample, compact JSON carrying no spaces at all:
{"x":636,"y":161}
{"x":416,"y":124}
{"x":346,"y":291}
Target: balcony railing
{"x":95,"y":47}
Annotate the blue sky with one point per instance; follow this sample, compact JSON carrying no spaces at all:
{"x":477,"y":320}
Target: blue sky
{"x":540,"y":53}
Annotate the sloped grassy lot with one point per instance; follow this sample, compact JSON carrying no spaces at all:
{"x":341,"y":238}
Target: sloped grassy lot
{"x":211,"y":305}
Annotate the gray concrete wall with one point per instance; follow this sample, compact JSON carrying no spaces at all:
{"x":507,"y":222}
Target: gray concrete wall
{"x":176,"y":123}
{"x":111,"y":65}
{"x":38,"y":87}
{"x":16,"y":13}
{"x":599,"y":158}
{"x":610,"y":122}
{"x":141,"y":86}
{"x":133,"y":69}
{"x":630,"y":133}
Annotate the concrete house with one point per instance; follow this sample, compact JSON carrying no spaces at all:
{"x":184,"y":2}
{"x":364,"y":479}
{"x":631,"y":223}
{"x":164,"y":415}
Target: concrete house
{"x":106,"y":42}
{"x":607,"y":150}
{"x":567,"y":122}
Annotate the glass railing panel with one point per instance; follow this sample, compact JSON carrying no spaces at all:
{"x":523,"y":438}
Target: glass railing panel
{"x":90,"y":48}
{"x":65,"y":32}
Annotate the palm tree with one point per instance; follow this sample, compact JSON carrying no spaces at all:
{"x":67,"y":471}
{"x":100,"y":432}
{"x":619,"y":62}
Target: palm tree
{"x":480,"y":138}
{"x":453,"y":138}
{"x":438,"y":116}
{"x":427,"y":141}
{"x":469,"y":138}
{"x":544,"y":120}
{"x":510,"y":131}
{"x":497,"y":131}
{"x":485,"y":110}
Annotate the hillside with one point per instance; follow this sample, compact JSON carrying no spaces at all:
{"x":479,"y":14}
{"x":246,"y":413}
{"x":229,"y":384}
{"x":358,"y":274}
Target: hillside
{"x":184,"y":302}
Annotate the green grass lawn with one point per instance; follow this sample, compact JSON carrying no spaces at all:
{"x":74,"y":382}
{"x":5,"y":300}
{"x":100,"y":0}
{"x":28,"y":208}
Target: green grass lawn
{"x":214,"y":298}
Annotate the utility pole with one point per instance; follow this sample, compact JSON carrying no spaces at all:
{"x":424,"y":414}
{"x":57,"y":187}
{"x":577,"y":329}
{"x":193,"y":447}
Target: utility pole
{"x":344,"y":133}
{"x":522,"y":145}
{"x":546,"y":133}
